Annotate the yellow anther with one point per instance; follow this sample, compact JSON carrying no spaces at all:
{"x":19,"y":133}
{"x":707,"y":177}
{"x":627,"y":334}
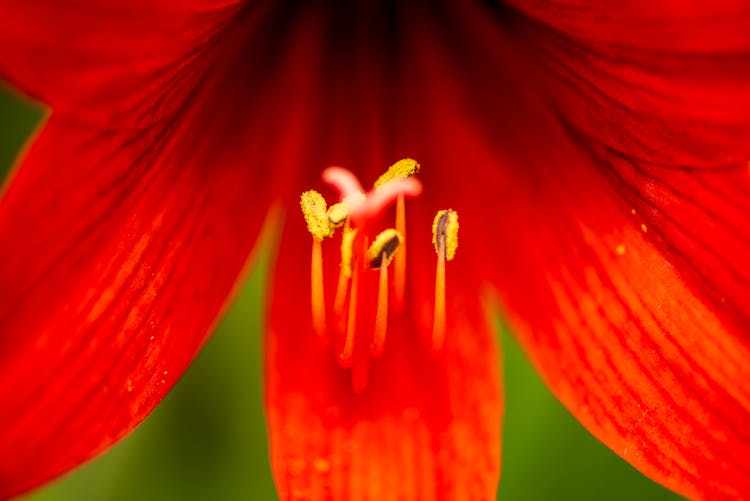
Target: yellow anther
{"x":445,"y":232}
{"x":347,"y":244}
{"x":337,"y":214}
{"x":404,"y":168}
{"x":314,"y":209}
{"x":385,"y":244}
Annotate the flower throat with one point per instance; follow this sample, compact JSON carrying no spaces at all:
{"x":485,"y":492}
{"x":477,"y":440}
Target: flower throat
{"x":364,"y":252}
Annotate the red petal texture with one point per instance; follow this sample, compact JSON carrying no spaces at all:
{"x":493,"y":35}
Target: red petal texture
{"x":630,"y":259}
{"x":114,"y":269}
{"x":133,"y":61}
{"x":597,"y":156}
{"x":120,"y":247}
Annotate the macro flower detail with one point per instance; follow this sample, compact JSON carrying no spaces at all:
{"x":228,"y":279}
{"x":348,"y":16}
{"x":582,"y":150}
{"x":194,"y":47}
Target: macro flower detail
{"x":597,"y":154}
{"x":358,"y":338}
{"x":372,"y":387}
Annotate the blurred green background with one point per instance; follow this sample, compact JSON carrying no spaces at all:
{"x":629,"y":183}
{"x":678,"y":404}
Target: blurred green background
{"x":207,"y":440}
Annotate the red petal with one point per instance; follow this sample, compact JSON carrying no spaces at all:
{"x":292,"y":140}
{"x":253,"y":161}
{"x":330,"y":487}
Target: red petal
{"x":669,"y":122}
{"x":652,"y":370}
{"x":626,"y":271}
{"x":683,"y":26}
{"x":136,"y":59}
{"x":624,"y":340}
{"x":117,"y":259}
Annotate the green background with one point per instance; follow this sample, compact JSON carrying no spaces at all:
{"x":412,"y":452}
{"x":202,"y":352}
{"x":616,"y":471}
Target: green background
{"x":207,"y":440}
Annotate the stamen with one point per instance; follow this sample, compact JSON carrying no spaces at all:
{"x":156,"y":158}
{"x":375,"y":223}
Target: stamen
{"x":317,"y":290}
{"x":357,"y":213}
{"x":438,"y":319}
{"x":338,"y":214}
{"x":340,"y":299}
{"x":314,"y":210}
{"x":445,"y":238}
{"x":385,"y":245}
{"x":399,"y":280}
{"x":402,"y":169}
{"x":445,"y":229}
{"x":379,"y":255}
{"x":347,"y":251}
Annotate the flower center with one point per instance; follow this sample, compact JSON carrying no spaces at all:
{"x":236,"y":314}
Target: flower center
{"x":363,"y":256}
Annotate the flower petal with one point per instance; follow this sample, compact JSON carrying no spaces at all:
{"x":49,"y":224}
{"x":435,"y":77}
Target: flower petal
{"x":133,"y":59}
{"x":626,"y":269}
{"x":119,"y":251}
{"x":667,"y":117}
{"x":626,"y":342}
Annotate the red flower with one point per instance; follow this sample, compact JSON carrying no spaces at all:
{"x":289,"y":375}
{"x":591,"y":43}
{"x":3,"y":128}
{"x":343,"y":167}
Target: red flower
{"x":597,"y":156}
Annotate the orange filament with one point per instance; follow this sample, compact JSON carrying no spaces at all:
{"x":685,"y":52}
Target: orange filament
{"x":438,"y":321}
{"x":399,"y":280}
{"x":316,"y":289}
{"x":338,"y":303}
{"x":351,"y":323}
{"x":381,"y":317}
